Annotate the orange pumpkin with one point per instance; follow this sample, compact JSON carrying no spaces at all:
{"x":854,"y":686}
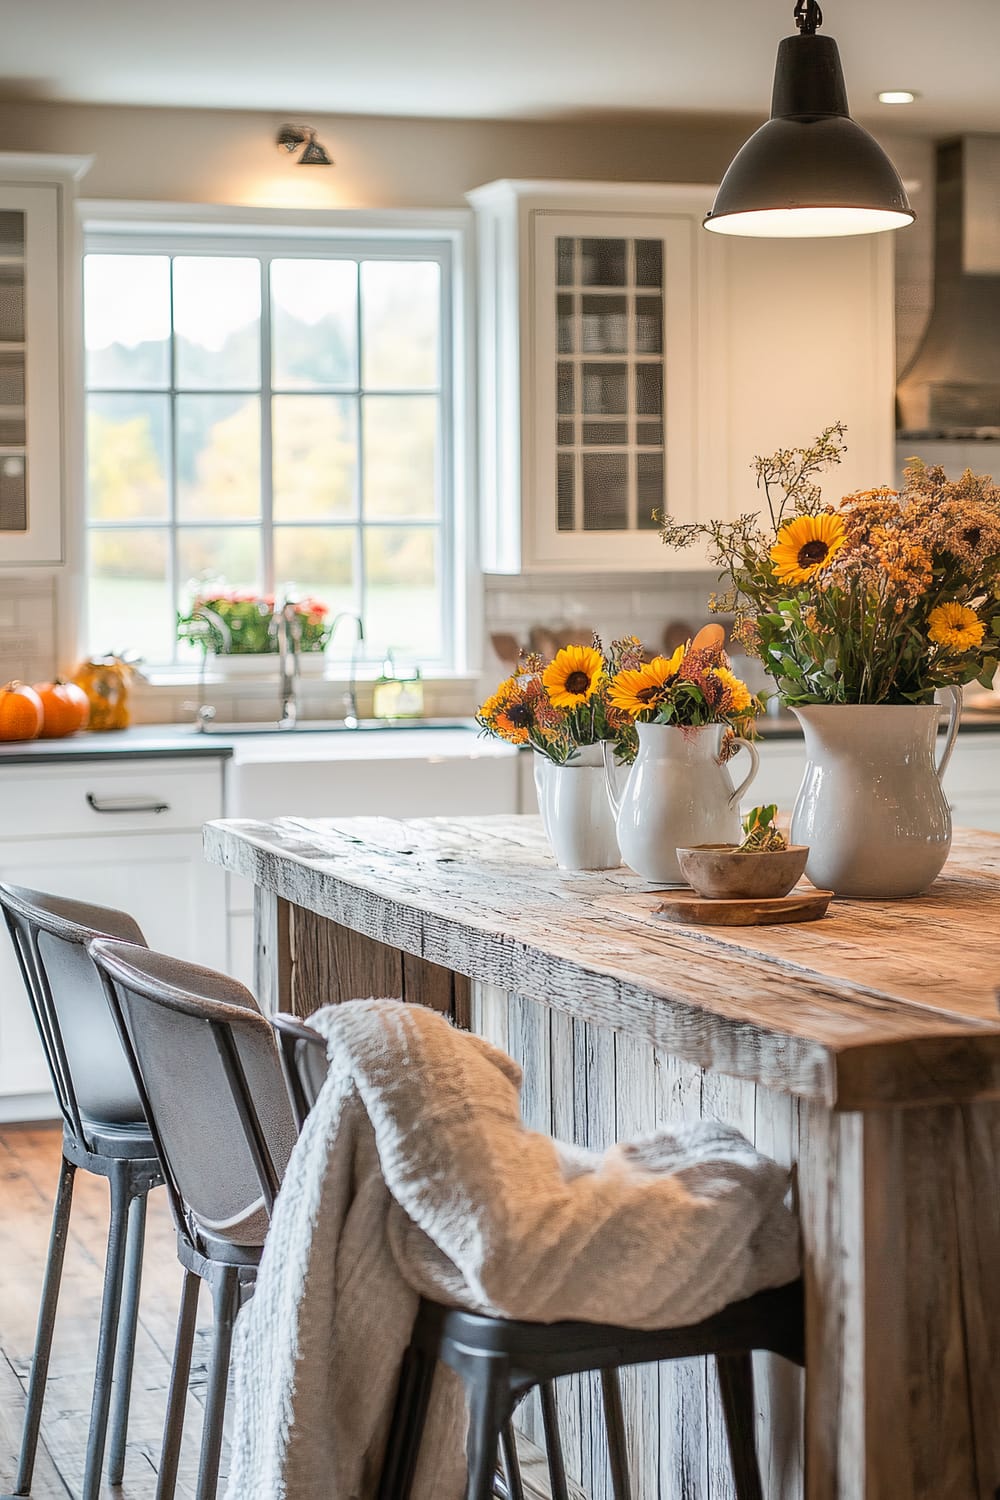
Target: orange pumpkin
{"x":65,"y":708}
{"x":21,"y":712}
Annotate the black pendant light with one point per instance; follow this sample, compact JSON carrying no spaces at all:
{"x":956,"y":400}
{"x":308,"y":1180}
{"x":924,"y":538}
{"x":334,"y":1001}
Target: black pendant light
{"x":810,"y":171}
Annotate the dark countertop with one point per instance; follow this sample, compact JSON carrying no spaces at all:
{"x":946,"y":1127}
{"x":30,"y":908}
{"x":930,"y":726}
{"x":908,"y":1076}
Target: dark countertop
{"x":785,"y":726}
{"x":164,"y":741}
{"x":144,"y":742}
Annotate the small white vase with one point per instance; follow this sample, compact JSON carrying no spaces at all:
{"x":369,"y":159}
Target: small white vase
{"x":871,"y":807}
{"x":576,"y":817}
{"x":679,"y":792}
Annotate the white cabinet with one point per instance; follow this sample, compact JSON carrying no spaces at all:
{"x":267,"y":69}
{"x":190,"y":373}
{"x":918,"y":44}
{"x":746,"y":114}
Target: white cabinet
{"x":971,"y":782}
{"x":40,"y":381}
{"x":394,"y":773}
{"x":631,"y":363}
{"x":91,"y":832}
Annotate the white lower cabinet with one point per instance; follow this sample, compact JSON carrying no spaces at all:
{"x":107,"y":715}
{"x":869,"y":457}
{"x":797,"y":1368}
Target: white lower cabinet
{"x":971,"y":782}
{"x":390,"y":774}
{"x":94,"y":836}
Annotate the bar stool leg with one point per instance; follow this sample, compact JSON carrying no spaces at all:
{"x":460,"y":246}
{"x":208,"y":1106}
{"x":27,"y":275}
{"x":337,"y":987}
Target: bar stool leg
{"x":125,"y":1357}
{"x":180,"y":1375}
{"x":46,"y":1324}
{"x":114,"y":1268}
{"x":553,"y":1442}
{"x":511,"y":1462}
{"x":614,"y":1419}
{"x":413,"y":1394}
{"x":225,"y":1298}
{"x":489,"y":1398}
{"x":736,"y":1389}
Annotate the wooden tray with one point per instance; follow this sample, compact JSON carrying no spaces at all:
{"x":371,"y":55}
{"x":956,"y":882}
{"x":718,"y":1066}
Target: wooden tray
{"x":800,"y":906}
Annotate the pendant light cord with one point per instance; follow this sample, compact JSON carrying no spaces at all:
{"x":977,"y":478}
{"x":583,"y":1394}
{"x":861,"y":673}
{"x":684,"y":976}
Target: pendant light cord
{"x":808,"y":17}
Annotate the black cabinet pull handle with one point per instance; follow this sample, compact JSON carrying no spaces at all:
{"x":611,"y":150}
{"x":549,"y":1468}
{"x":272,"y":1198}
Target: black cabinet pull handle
{"x":125,"y":804}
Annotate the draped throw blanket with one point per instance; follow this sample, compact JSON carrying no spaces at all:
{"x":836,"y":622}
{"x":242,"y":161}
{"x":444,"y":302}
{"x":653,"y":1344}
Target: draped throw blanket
{"x":415,"y":1175}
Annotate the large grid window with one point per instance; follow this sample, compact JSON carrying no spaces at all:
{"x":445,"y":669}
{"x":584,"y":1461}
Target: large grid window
{"x":275,"y":417}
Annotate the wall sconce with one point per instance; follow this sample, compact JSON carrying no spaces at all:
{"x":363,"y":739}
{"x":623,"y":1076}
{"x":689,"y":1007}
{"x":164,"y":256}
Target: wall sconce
{"x":291,"y":137}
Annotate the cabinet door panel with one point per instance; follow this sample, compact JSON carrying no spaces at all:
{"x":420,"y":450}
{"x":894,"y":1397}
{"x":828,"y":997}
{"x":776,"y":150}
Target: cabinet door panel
{"x":176,"y":897}
{"x":610,"y":418}
{"x":30,"y":374}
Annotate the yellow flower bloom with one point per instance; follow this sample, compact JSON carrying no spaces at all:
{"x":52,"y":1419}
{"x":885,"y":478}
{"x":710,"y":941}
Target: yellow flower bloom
{"x":572,"y":677}
{"x":805,"y":545}
{"x":740,"y":697}
{"x":955,"y":627}
{"x":492,"y":705}
{"x":635,"y":691}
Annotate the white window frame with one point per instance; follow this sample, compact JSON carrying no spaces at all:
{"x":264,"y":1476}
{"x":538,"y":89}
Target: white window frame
{"x":443,"y":235}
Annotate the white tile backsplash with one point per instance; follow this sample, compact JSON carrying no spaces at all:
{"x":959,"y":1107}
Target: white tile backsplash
{"x":613,"y":604}
{"x":27,"y":627}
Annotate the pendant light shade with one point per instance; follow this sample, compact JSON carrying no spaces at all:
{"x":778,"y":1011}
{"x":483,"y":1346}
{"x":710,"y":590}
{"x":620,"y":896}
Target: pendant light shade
{"x":811,"y":170}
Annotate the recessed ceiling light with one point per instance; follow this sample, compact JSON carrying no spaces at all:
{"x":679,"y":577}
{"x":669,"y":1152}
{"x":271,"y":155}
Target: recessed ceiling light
{"x":897,"y":96}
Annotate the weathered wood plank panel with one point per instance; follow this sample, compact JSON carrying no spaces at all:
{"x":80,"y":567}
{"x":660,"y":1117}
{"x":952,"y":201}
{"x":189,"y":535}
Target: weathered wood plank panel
{"x":682,"y":1383}
{"x":635,"y":1117}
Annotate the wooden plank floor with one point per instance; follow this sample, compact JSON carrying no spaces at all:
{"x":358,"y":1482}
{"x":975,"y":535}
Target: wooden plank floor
{"x":29,"y":1166}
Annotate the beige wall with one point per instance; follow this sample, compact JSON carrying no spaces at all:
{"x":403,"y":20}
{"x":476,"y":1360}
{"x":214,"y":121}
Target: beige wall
{"x":230,"y":157}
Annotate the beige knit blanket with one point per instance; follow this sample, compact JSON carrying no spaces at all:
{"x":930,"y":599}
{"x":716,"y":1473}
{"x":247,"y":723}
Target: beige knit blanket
{"x":414,"y":1174}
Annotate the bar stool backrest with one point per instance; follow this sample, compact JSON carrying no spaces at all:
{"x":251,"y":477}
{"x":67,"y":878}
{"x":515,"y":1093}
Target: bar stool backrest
{"x":208,"y":1073}
{"x":90,"y":1072}
{"x":304,"y":1062}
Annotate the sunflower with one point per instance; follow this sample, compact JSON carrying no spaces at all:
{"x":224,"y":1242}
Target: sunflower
{"x":572,"y":677}
{"x":805,"y":545}
{"x":740,"y":698}
{"x":635,"y":691}
{"x":955,"y":627}
{"x":512,"y":716}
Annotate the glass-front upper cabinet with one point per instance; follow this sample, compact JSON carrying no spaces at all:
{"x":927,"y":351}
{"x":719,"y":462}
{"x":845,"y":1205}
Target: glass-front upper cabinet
{"x":13,"y":422}
{"x":588,"y":403}
{"x":38,"y":305}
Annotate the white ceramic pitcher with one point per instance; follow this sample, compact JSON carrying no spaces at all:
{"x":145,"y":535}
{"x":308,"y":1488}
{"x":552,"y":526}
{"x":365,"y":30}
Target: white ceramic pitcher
{"x":679,"y":792}
{"x":576,"y":817}
{"x":871,"y":806}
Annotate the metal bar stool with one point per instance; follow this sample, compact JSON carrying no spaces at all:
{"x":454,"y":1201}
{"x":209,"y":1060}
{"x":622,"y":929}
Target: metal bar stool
{"x":104,"y":1132}
{"x":207,"y":1072}
{"x":499,"y":1360}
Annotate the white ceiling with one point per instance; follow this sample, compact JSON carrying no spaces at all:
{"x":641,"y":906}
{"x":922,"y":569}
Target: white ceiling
{"x":494,"y":59}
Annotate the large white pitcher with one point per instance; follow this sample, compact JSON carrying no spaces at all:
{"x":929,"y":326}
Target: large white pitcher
{"x":871,"y":807}
{"x":679,"y":792}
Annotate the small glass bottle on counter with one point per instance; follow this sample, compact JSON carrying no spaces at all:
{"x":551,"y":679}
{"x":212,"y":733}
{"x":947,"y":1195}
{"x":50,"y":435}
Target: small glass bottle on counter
{"x":399,"y":691}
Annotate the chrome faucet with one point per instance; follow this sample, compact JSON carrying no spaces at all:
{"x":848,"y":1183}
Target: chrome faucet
{"x":286,"y":625}
{"x":350,"y":698}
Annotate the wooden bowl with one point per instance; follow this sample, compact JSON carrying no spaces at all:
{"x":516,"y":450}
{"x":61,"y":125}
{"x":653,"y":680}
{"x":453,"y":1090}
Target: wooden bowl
{"x":720,"y":872}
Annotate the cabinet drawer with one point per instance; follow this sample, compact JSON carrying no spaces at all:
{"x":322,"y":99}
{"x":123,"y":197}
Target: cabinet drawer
{"x":121,"y":797}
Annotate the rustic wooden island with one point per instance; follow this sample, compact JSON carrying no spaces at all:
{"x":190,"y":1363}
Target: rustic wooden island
{"x":865,"y":1049}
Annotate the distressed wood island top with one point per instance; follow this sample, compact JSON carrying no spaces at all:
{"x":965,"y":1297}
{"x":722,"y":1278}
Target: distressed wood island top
{"x":879,"y":1003}
{"x":863,"y":1050}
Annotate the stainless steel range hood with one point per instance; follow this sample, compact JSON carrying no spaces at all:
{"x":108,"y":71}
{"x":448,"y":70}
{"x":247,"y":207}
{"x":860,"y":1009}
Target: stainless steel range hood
{"x":951,"y":387}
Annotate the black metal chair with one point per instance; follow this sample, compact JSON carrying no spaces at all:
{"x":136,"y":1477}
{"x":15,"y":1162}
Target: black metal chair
{"x":500,"y":1360}
{"x":207,"y":1072}
{"x":104,"y":1132}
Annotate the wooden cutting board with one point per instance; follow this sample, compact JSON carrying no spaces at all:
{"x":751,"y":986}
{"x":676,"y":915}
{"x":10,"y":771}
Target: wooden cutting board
{"x":805,"y":905}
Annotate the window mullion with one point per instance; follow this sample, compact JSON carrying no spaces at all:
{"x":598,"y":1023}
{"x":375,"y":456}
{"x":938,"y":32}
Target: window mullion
{"x":266,"y":431}
{"x":173,"y":539}
{"x":360,"y":548}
